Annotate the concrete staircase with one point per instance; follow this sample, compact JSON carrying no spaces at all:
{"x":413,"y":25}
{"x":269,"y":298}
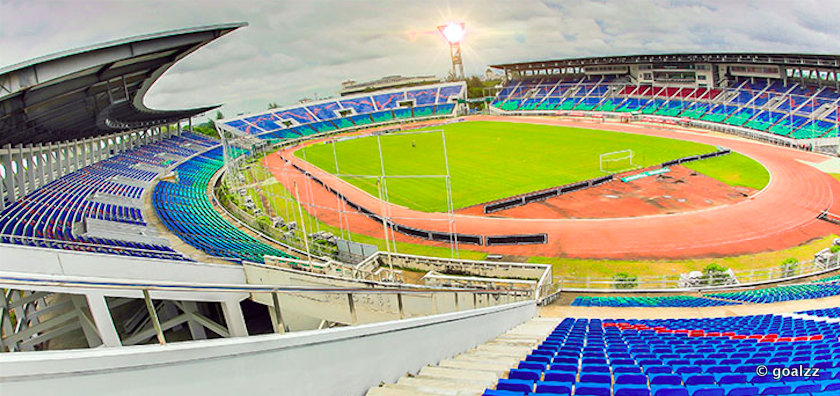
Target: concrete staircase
{"x":471,"y":372}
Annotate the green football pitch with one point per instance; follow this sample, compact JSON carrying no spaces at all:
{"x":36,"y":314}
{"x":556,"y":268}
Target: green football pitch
{"x":493,"y":160}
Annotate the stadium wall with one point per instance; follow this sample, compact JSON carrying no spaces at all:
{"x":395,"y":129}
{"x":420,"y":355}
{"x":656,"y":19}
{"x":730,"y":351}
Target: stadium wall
{"x":337,"y":361}
{"x":34,"y":261}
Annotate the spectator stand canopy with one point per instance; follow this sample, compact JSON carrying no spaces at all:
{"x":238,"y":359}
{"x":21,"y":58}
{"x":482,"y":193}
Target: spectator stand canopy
{"x":96,"y":90}
{"x":61,"y":112}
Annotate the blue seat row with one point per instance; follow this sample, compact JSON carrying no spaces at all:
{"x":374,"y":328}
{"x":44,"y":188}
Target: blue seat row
{"x":745,"y":103}
{"x":186,"y":210}
{"x":736,"y":356}
{"x":352,"y":111}
{"x":47,"y":216}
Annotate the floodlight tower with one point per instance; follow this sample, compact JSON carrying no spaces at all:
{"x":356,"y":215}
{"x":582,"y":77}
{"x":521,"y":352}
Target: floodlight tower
{"x":453,"y":32}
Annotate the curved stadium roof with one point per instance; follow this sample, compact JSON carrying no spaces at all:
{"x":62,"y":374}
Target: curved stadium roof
{"x":781,"y":59}
{"x":95,"y":90}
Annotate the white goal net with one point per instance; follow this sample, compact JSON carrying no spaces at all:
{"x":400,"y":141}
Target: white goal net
{"x":617,"y":161}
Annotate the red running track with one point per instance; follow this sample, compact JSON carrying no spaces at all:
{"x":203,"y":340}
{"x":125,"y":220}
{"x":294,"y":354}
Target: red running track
{"x":782,"y":215}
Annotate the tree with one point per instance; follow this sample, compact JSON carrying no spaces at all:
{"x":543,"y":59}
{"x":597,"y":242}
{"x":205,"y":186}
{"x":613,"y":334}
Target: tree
{"x":715,"y":274}
{"x":264,"y":223}
{"x":475,"y":89}
{"x":789,"y":267}
{"x":273,"y":105}
{"x":206,"y":129}
{"x":219,"y":115}
{"x":623,"y":280}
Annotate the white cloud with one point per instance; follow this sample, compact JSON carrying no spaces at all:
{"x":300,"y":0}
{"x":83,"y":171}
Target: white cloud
{"x":294,"y":49}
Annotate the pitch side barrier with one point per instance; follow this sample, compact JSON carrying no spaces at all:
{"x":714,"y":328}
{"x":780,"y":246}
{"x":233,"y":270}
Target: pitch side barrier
{"x":542,"y":195}
{"x":430,"y":235}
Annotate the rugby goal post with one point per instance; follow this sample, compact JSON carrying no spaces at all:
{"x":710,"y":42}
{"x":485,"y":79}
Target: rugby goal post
{"x":617,"y":161}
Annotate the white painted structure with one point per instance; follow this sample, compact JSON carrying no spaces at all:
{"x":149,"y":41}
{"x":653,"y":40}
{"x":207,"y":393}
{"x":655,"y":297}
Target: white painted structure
{"x":338,"y":361}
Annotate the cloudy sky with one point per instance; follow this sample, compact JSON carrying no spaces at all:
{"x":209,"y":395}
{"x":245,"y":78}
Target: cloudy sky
{"x":295,"y":49}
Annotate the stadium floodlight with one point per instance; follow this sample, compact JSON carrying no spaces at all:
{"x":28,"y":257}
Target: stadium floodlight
{"x":454,"y":33}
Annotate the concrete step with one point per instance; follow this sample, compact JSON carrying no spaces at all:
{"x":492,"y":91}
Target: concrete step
{"x":436,"y":385}
{"x":517,"y":338}
{"x":390,"y":390}
{"x":459,"y":373}
{"x":530,"y":344}
{"x":484,"y":382}
{"x":475,"y":370}
{"x":490,"y":358}
{"x":499,"y":369}
{"x":436,"y":392}
{"x":503,"y":349}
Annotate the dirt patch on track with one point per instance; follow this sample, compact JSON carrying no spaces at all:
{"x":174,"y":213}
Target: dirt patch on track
{"x":680,"y":190}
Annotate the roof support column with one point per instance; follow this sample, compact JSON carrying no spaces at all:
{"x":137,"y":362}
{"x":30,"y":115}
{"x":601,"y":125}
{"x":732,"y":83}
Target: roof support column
{"x":77,"y":147}
{"x":42,"y":164}
{"x":59,"y":158}
{"x":88,"y":327}
{"x":30,"y":168}
{"x":9,"y":179}
{"x":82,"y":153}
{"x":103,"y":320}
{"x":234,"y":318}
{"x":197,"y":331}
{"x":19,"y":176}
{"x":51,"y":153}
{"x":64,"y":168}
{"x":100,"y":147}
{"x":89,"y":156}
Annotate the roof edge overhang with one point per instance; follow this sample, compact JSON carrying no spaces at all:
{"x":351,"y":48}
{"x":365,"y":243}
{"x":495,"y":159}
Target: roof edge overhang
{"x":35,"y":94}
{"x":785,"y":59}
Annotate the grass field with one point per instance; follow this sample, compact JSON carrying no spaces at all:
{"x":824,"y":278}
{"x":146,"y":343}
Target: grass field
{"x":282,"y":204}
{"x":607,"y":268}
{"x":493,"y":160}
{"x":733,"y":169}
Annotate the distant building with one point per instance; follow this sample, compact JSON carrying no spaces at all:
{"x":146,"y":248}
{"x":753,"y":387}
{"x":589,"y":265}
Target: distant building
{"x":352,"y":87}
{"x":490,"y":75}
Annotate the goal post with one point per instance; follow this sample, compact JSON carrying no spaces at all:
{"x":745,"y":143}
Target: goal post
{"x":617,"y":161}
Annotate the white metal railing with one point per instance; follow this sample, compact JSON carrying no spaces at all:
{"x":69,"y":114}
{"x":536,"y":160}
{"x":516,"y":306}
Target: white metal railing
{"x":670,"y":283}
{"x":353,"y":294}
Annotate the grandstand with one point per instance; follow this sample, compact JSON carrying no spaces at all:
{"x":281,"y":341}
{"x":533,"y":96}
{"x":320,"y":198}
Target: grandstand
{"x":120,"y":266}
{"x":187,"y":212}
{"x":54,"y":215}
{"x":350,"y":112}
{"x":779,"y":97}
